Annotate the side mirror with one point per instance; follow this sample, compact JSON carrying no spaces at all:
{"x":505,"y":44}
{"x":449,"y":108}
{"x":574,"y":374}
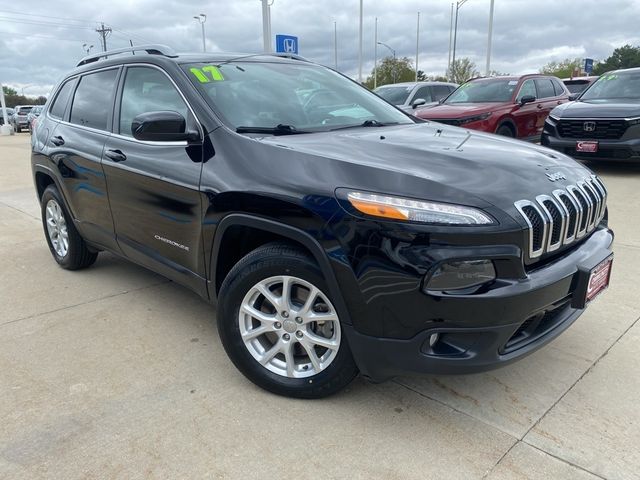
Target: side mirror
{"x":573,"y":97}
{"x":417,"y":102}
{"x":527,"y":99}
{"x":161,"y":126}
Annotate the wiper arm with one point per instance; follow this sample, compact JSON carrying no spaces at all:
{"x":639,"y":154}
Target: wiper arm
{"x":367,"y":123}
{"x":280,"y":129}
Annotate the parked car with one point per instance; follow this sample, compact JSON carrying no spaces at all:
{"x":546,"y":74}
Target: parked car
{"x":577,"y":85}
{"x":331,"y":244}
{"x":603,"y":124}
{"x":10,"y":112}
{"x":31,"y":117}
{"x":409,"y":96}
{"x":19,"y":118}
{"x":510,"y":106}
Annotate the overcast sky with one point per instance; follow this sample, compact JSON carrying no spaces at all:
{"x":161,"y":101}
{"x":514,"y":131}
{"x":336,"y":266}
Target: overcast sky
{"x":42,"y":39}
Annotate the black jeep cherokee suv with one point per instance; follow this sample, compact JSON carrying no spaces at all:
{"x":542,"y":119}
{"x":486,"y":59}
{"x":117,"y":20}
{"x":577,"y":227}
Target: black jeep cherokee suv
{"x":335,"y":233}
{"x":603,"y":124}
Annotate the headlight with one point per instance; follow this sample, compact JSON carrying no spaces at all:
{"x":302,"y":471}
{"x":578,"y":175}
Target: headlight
{"x":633,"y":121}
{"x":475,"y":118}
{"x":554,"y":117}
{"x":397,"y":208}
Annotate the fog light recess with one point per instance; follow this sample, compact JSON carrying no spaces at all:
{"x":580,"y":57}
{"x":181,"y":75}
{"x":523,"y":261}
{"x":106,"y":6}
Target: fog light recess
{"x":461,"y":275}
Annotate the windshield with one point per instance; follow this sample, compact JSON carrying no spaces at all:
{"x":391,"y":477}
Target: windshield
{"x":615,"y":85}
{"x":394,"y":95}
{"x":24,"y":110}
{"x":303,"y":96}
{"x":480,"y":91}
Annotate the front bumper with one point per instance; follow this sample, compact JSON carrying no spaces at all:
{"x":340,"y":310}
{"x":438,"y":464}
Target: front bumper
{"x":503,"y":324}
{"x":611,"y":150}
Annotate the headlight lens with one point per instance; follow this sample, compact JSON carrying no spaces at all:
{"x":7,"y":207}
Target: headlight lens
{"x":397,"y":208}
{"x":475,"y":118}
{"x":458,"y":275}
{"x":554,"y":117}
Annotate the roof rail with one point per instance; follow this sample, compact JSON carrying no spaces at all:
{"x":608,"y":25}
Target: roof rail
{"x":150,"y":49}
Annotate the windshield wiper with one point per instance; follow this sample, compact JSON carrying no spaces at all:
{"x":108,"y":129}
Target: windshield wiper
{"x":367,"y":123}
{"x":280,"y":129}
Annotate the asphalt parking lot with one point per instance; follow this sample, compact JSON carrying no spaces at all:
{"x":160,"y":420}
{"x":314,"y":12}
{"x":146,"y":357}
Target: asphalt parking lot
{"x":114,"y":372}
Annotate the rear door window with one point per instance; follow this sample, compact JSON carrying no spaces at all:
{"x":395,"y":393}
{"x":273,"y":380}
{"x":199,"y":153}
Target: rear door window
{"x":557,"y":85}
{"x":59,"y":105}
{"x":545,"y":88}
{"x":93,"y":100}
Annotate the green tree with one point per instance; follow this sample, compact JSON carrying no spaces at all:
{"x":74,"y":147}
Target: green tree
{"x":462,"y":70}
{"x":562,"y":69}
{"x":392,"y":70}
{"x":623,"y":57}
{"x":8,"y":91}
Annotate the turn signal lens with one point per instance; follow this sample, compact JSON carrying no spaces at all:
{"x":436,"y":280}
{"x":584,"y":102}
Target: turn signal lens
{"x":397,"y":208}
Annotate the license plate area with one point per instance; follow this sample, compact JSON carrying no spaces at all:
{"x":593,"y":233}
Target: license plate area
{"x":592,"y":282}
{"x":587,"y":147}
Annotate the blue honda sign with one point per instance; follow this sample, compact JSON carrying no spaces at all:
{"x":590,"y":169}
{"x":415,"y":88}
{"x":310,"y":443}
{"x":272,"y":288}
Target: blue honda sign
{"x":286,"y":44}
{"x":588,"y":65}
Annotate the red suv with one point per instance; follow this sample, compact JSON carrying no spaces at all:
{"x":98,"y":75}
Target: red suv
{"x":511,"y":106}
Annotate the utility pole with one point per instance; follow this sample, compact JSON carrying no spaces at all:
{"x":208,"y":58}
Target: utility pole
{"x":104,"y":33}
{"x":450,"y":43}
{"x":335,"y":45}
{"x":360,"y":47}
{"x":417,"y":45}
{"x":490,"y":34}
{"x":201,"y":18}
{"x":375,"y":56}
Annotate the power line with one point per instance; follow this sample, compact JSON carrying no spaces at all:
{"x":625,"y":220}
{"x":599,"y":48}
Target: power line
{"x":49,"y":37}
{"x":43,"y":23}
{"x":48,"y":16}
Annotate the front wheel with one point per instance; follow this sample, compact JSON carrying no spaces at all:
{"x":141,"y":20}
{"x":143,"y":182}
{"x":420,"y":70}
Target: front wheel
{"x":505,"y":131}
{"x":279,"y":326}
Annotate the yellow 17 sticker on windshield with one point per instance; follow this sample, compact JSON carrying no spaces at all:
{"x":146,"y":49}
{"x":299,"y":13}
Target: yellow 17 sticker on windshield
{"x":201,"y":74}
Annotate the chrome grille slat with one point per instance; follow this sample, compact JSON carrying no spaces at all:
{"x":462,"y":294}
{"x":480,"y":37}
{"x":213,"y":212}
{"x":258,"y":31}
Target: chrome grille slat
{"x":564,"y":216}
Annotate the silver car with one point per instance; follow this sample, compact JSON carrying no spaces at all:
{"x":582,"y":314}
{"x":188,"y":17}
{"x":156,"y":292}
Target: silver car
{"x":19,"y":117}
{"x":410,"y":95}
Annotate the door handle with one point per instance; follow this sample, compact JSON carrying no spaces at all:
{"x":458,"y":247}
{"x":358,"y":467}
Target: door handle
{"x":539,"y":105}
{"x":115,"y":155}
{"x":57,"y":141}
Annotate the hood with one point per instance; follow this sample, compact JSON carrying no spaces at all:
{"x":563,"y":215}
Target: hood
{"x":598,"y":109}
{"x":435,"y":162}
{"x":458,"y":110}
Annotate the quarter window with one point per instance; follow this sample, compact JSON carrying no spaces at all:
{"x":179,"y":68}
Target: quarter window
{"x":60,"y":103}
{"x":147,"y":90}
{"x":93,"y":100}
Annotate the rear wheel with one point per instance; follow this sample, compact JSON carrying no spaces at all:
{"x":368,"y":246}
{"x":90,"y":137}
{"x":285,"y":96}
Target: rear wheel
{"x":505,"y":130}
{"x":280,"y":327}
{"x":67,"y":246}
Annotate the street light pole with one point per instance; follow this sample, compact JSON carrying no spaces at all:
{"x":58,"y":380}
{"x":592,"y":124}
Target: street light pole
{"x":266,"y":27}
{"x":450,"y":42}
{"x":417,"y":44}
{"x":459,"y":4}
{"x":375,"y":55}
{"x":490,"y":34}
{"x":393,"y":52}
{"x":335,"y":44}
{"x":360,"y":47}
{"x":201,"y":18}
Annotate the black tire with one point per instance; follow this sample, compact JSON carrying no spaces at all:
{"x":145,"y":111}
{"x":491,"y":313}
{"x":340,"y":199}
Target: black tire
{"x":505,"y":130}
{"x":78,"y":255}
{"x":268,"y":261}
{"x":18,"y":128}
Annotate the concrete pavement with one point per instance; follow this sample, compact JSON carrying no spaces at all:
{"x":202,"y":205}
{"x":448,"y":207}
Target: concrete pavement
{"x":114,"y":372}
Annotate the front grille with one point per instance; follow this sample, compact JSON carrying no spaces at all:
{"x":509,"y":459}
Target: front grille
{"x":596,"y":129}
{"x":563,"y":217}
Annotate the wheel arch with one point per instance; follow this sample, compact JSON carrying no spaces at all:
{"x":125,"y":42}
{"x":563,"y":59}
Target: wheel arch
{"x":509,"y":122}
{"x":43,"y":177}
{"x":226,"y":250}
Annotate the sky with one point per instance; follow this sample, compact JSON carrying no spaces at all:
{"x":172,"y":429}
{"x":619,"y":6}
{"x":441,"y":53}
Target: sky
{"x":40,"y":40}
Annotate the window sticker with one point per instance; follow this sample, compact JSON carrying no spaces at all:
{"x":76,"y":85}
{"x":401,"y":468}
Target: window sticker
{"x":201,"y":74}
{"x":513,"y":82}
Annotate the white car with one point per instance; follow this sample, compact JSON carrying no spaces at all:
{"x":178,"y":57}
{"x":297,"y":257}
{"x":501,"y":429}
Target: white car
{"x":408,"y":96}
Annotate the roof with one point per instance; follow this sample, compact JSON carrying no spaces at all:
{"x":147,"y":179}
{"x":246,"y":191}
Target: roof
{"x":413,"y":84}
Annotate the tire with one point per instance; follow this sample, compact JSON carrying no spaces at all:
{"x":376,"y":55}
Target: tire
{"x":505,"y":131}
{"x":290,"y":371}
{"x":60,"y":231}
{"x":17,"y":128}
